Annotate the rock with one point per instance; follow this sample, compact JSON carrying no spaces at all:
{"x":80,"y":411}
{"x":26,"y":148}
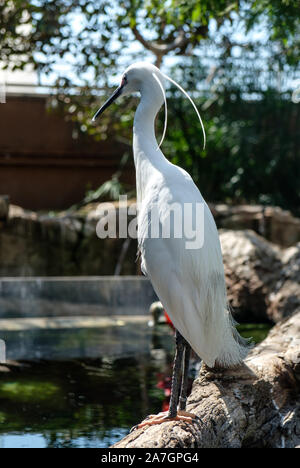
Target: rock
{"x":277,"y":225}
{"x":33,"y":244}
{"x":282,"y":227}
{"x":284,"y":300}
{"x":262,"y":279}
{"x":62,"y":230}
{"x":252,"y":406}
{"x":4,"y":207}
{"x":251,"y":267}
{"x":18,"y":212}
{"x":9,"y":366}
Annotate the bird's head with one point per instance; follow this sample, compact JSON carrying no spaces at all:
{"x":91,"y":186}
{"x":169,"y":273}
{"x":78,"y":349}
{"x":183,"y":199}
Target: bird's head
{"x":147,"y":79}
{"x":139,"y":77}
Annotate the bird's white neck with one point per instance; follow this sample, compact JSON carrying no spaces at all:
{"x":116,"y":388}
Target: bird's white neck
{"x":148,"y":158}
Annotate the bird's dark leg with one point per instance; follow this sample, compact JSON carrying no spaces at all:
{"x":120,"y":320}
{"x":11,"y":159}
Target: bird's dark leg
{"x":185,"y":372}
{"x":176,"y":374}
{"x":182,"y":348}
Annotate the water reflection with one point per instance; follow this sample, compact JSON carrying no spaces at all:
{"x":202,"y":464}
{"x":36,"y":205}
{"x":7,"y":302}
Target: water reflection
{"x":120,"y":339}
{"x":78,"y":403}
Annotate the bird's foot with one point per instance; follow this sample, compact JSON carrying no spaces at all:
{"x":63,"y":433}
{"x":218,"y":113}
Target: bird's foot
{"x":164,"y":417}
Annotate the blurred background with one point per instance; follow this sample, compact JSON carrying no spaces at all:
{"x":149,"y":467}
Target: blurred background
{"x":86,"y":358}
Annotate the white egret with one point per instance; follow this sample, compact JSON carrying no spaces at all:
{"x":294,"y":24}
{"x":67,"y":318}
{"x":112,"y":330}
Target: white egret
{"x":189,"y":282}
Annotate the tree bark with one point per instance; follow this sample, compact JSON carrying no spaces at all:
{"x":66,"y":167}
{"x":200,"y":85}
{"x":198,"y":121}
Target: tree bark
{"x":254,"y":405}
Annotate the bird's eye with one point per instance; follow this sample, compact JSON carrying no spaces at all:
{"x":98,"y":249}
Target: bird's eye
{"x":124,"y":80}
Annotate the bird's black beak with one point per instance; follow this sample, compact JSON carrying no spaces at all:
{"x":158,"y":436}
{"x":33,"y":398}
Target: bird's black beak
{"x":109,"y":101}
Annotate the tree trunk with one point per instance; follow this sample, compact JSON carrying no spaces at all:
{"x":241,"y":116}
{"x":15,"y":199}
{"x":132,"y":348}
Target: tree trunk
{"x":254,"y":405}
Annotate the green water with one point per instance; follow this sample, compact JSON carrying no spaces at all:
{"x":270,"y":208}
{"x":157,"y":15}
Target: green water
{"x":78,"y":403}
{"x":87,"y":402}
{"x":254,"y":331}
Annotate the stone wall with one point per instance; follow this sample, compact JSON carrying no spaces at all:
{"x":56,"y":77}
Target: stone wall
{"x":33,"y":244}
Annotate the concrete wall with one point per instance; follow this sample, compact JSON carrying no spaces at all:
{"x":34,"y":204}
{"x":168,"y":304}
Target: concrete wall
{"x":90,"y":296}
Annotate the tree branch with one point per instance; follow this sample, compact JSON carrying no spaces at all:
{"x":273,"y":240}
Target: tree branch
{"x":159,"y":50}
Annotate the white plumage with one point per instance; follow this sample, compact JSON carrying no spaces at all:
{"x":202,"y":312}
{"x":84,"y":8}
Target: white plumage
{"x":189,"y":283}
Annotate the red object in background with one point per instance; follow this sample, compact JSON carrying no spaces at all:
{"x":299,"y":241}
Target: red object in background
{"x":164,"y":382}
{"x":165,"y":405}
{"x":169,"y":321}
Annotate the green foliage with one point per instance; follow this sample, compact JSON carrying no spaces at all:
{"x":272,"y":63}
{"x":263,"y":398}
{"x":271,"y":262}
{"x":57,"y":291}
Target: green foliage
{"x":283,"y":19}
{"x":41,"y":32}
{"x":93,"y":35}
{"x":163,"y":19}
{"x":252,"y":151}
{"x":283,"y":25}
{"x":111,"y":189}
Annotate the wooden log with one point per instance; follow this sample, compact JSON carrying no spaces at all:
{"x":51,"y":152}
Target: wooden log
{"x":254,"y":405}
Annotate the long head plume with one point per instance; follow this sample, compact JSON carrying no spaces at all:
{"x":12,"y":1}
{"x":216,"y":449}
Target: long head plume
{"x":166,"y":109}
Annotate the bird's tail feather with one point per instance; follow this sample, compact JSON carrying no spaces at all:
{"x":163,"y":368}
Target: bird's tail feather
{"x":235,"y":347}
{"x":223,"y":347}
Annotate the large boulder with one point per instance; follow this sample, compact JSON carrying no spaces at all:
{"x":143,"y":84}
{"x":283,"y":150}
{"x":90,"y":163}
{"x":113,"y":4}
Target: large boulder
{"x":284,"y":299}
{"x":251,"y":267}
{"x":275,"y":224}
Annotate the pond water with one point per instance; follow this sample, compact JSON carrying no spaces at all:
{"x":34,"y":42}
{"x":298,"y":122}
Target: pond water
{"x":88,"y":399}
